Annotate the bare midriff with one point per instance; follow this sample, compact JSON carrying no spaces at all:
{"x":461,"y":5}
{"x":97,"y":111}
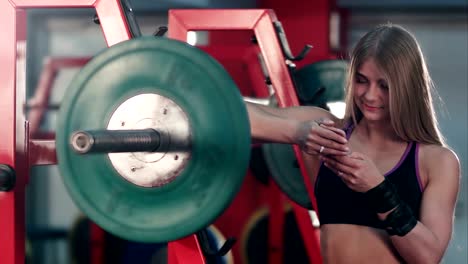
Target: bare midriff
{"x":348,"y":244}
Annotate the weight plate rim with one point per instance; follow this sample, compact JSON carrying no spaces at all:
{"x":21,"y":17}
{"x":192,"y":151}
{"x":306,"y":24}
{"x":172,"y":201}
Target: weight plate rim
{"x":271,"y":151}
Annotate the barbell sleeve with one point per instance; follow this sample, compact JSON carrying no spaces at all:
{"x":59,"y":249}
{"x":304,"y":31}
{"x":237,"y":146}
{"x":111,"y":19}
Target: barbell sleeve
{"x":111,"y":141}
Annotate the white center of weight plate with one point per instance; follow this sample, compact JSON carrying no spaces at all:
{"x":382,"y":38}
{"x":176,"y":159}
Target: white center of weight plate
{"x":152,"y":169}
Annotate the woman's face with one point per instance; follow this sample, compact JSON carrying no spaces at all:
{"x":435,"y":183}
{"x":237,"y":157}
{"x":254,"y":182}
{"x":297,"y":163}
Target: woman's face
{"x":371,"y":92}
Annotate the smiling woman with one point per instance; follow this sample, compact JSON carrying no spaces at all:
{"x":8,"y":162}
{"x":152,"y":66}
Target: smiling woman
{"x":385,"y":181}
{"x":400,"y":65}
{"x":371,"y":91}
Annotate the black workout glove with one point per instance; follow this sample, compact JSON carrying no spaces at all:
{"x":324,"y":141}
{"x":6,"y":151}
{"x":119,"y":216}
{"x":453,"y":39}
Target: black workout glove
{"x":383,"y":198}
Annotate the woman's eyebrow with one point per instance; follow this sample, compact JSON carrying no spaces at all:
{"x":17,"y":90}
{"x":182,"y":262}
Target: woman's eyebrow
{"x":360,"y":75}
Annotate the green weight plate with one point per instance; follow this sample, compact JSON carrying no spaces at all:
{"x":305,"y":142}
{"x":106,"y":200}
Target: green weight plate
{"x":220,"y":139}
{"x":321,"y":82}
{"x":284,"y":169}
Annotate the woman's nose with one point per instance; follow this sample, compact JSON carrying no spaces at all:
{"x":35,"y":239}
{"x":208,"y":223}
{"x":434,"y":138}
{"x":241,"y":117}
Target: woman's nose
{"x":371,"y":92}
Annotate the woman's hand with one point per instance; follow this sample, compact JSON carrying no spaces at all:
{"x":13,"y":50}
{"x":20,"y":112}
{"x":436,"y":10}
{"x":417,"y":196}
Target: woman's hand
{"x":356,"y":170}
{"x":321,"y":137}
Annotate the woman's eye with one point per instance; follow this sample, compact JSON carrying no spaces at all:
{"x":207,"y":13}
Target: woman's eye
{"x":360,"y":80}
{"x":384,"y":86}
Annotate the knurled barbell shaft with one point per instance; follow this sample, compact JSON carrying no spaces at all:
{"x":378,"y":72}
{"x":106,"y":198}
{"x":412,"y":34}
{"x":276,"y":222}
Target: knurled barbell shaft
{"x":111,"y":141}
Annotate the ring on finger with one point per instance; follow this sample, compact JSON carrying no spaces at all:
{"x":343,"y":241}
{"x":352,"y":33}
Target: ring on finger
{"x":321,"y":149}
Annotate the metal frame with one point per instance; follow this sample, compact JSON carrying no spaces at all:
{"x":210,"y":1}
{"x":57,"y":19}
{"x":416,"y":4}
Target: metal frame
{"x":21,"y":152}
{"x":260,"y":21}
{"x":16,"y":149}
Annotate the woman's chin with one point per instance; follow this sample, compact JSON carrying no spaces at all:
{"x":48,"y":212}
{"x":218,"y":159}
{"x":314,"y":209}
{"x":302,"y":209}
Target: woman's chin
{"x":375,"y":117}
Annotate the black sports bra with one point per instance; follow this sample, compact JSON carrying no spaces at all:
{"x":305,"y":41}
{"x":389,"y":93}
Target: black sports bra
{"x":337,"y":204}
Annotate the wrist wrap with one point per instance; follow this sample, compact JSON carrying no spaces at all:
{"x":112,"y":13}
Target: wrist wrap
{"x":383,"y":197}
{"x":400,"y":221}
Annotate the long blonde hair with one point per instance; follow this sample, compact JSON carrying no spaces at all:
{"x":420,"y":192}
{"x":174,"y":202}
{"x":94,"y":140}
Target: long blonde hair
{"x":399,"y":57}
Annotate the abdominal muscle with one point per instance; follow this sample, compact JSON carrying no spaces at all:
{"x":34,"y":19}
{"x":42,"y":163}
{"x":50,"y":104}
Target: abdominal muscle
{"x":345,"y":243}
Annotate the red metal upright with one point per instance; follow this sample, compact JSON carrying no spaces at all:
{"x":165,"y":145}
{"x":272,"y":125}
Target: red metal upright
{"x":11,"y":203}
{"x":185,"y":251}
{"x":260,"y":21}
{"x":14,"y":146}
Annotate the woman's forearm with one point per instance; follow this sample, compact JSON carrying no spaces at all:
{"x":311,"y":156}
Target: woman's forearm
{"x":268,"y":125}
{"x":419,"y":246}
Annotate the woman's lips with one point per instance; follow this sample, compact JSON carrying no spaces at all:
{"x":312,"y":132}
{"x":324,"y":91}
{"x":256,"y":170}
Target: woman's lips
{"x":371,"y":108}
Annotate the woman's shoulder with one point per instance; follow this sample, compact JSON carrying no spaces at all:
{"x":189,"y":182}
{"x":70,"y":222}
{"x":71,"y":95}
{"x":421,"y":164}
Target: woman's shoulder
{"x":437,"y":152}
{"x":436,"y":159}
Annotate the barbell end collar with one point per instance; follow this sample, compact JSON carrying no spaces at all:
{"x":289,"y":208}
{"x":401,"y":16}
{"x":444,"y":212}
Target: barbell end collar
{"x":82,"y":142}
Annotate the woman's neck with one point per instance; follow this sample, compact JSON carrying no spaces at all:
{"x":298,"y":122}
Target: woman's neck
{"x":379,"y":134}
